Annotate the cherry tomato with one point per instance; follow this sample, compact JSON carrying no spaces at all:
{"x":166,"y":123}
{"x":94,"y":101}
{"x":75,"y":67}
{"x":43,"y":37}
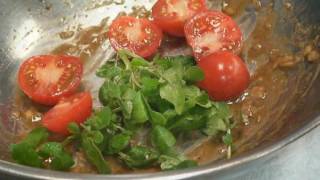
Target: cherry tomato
{"x":212,"y":31}
{"x":140,"y":36}
{"x":226,"y":76}
{"x":76,"y":108}
{"x":48,"y":78}
{"x":171,"y":15}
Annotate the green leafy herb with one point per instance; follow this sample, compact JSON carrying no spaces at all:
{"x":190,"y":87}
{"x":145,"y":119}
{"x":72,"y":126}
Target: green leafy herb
{"x":118,"y":142}
{"x":149,"y":85}
{"x":218,"y":119}
{"x":94,"y":155}
{"x":59,"y":159}
{"x":73,"y":128}
{"x":138,"y":62}
{"x":101,"y":119}
{"x":108,"y":71}
{"x":139,"y":111}
{"x":140,"y":157}
{"x":162,"y":139}
{"x":172,"y":163}
{"x":158,"y":98}
{"x":36,"y":136}
{"x":193,"y":74}
{"x":157,"y":118}
{"x":25,"y":152}
{"x":227,"y":140}
{"x":175,"y":95}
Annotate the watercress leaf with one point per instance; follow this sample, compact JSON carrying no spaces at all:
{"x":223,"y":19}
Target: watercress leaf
{"x":214,"y":125}
{"x":60,"y":159}
{"x":157,"y":118}
{"x":139,"y":157}
{"x":103,"y":95}
{"x":100,"y":119}
{"x":227,"y":139}
{"x":203,"y":100}
{"x":193,"y":74}
{"x":174,"y":74}
{"x":74,"y":128}
{"x":188,"y":122}
{"x":149,"y":85}
{"x":168,"y":162}
{"x":94,"y":155}
{"x":170,"y":114}
{"x":138,"y":62}
{"x":36,"y":136}
{"x":139,"y":111}
{"x":108,"y":91}
{"x":163,"y":63}
{"x":124,"y":53}
{"x":23,"y":153}
{"x":162,"y":139}
{"x":108,"y":71}
{"x":174,"y":93}
{"x":184,"y":60}
{"x":177,"y":161}
{"x":97,"y":136}
{"x":129,"y":94}
{"x":159,"y":104}
{"x":113,"y":90}
{"x":191,"y":91}
{"x":127,"y":108}
{"x":222,"y":109}
{"x":176,"y":60}
{"x":118,"y":143}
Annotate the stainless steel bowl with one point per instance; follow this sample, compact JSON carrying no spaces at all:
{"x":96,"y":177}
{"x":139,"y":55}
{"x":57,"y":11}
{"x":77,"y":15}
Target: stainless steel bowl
{"x":30,"y":27}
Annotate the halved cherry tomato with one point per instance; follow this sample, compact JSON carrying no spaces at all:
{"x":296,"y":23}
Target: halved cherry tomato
{"x":76,"y":108}
{"x":226,"y":76}
{"x":140,"y":36}
{"x":48,"y":78}
{"x":212,"y":31}
{"x":171,"y":15}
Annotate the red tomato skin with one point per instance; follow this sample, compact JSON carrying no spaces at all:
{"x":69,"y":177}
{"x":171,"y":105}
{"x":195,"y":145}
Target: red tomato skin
{"x":176,"y":27}
{"x":173,"y":25}
{"x":43,"y":96}
{"x":143,"y":51}
{"x":226,"y":76}
{"x":230,"y":35}
{"x":60,"y":116}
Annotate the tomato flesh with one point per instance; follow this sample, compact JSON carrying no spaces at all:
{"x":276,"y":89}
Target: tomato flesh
{"x":140,"y":36}
{"x":47,"y":78}
{"x":213,"y":31}
{"x":171,"y":15}
{"x":76,"y":108}
{"x":226,"y":76}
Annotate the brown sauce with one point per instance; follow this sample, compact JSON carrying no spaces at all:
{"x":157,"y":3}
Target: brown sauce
{"x":277,"y":74}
